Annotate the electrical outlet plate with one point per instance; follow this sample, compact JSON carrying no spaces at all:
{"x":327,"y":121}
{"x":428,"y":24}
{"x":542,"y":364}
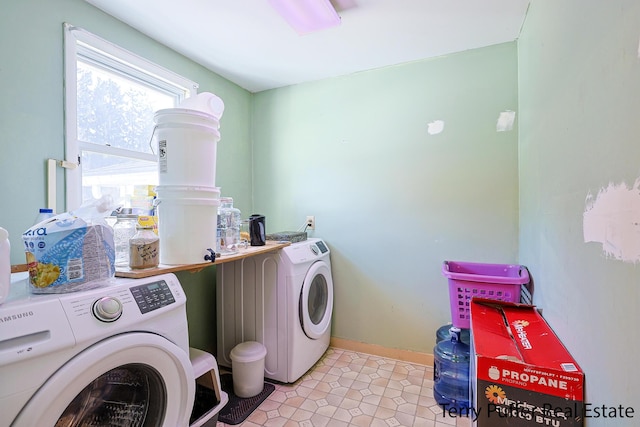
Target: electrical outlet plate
{"x":311,"y":222}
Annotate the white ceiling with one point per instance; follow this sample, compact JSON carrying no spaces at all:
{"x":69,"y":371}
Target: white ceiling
{"x":248,"y":43}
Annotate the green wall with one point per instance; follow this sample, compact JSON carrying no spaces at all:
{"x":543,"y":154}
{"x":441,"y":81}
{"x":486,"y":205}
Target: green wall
{"x":579,"y":98}
{"x":32,"y":122}
{"x":392,"y":200}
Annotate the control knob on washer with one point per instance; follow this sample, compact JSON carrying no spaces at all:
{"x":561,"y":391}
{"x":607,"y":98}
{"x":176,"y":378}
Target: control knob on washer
{"x":107,"y":309}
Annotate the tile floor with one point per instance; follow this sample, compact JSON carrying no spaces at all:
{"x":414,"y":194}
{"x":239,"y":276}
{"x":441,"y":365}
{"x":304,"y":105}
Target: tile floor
{"x":347,"y":388}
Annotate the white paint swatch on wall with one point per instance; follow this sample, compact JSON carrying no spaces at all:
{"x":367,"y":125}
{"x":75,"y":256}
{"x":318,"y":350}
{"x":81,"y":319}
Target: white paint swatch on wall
{"x":612,"y":218}
{"x":435,"y":127}
{"x":505,"y":121}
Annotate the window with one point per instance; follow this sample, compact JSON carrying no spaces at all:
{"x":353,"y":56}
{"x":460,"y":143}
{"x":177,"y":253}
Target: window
{"x":111,"y":96}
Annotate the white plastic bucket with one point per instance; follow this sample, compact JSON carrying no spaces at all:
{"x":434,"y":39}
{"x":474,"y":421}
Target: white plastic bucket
{"x":187,"y":228}
{"x":185,"y":115}
{"x":187,"y":192}
{"x":186,"y":141}
{"x":247,"y":368}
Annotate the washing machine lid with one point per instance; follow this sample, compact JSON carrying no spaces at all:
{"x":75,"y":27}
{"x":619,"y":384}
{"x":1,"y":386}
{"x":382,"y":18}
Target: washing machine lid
{"x":157,"y":372}
{"x":316,"y":300}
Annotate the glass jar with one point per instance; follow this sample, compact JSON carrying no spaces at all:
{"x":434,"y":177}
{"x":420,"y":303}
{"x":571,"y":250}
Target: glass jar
{"x":123,"y":230}
{"x":229,"y":220}
{"x":144,"y":248}
{"x":245,"y":236}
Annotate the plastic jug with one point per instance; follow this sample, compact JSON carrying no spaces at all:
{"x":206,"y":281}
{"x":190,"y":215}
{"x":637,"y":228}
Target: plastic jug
{"x":44,"y":213}
{"x":451,"y":372}
{"x":444,"y":334}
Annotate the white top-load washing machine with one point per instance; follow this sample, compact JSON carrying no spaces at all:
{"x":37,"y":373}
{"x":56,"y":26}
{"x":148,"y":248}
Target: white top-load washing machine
{"x":283,"y":300}
{"x":115,"y":355}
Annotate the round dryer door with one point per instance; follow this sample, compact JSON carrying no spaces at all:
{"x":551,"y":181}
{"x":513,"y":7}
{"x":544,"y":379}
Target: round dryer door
{"x":134,"y":380}
{"x":316,"y":300}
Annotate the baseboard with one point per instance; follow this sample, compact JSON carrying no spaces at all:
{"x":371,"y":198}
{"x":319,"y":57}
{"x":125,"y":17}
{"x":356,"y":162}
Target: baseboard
{"x":378,"y":350}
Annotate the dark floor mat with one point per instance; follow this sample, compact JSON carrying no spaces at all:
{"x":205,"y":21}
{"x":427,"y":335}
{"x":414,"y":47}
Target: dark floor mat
{"x":238,"y":408}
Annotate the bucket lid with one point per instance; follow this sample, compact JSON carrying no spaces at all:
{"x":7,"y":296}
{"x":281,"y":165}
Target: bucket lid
{"x":209,"y":127}
{"x":187,"y":201}
{"x":248,"y":351}
{"x":206,"y":102}
{"x":186,"y":112}
{"x":186,"y":188}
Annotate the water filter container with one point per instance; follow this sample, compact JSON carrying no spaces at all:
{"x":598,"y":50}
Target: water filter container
{"x":5,"y":264}
{"x":186,"y":145}
{"x":451,"y":373}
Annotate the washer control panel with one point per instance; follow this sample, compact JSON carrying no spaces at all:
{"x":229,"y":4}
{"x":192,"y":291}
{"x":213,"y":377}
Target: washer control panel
{"x":323,"y":248}
{"x":306,"y":251}
{"x":121,"y":304}
{"x":152,"y":296}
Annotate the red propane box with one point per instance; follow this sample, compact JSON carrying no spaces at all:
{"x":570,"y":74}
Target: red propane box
{"x":521,"y":374}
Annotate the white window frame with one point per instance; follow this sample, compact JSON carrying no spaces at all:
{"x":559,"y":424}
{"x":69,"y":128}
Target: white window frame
{"x":79,"y":42}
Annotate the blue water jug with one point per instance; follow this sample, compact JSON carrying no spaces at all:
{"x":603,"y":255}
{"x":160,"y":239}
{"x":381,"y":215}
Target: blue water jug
{"x":444,"y":333}
{"x":451,"y":372}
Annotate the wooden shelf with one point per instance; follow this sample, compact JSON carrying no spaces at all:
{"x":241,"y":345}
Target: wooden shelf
{"x":162,"y":268}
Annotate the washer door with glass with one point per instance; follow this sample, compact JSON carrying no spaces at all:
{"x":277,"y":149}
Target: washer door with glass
{"x":129,"y":380}
{"x":316,"y":300}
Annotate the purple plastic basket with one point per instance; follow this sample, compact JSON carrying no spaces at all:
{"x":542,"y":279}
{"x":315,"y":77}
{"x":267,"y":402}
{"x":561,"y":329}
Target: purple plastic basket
{"x":502,"y":282}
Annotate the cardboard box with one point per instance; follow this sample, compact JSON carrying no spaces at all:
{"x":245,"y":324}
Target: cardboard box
{"x":521,"y":374}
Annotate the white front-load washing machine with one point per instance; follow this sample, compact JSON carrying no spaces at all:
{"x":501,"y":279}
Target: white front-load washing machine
{"x":305,"y":271}
{"x":282,"y":299}
{"x":111,"y":356}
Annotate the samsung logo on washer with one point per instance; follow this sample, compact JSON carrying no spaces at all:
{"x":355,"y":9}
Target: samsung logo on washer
{"x":13,"y":317}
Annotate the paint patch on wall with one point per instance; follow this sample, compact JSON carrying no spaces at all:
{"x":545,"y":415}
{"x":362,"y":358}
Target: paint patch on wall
{"x":505,"y":121}
{"x":435,"y":127}
{"x":612,"y":218}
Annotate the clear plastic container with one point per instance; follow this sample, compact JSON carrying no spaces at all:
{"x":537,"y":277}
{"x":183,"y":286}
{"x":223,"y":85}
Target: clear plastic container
{"x":229,"y":221}
{"x":451,"y":372}
{"x":123,"y":230}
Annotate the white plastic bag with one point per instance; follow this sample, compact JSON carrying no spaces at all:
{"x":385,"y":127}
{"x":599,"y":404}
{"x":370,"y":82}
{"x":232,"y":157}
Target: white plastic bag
{"x":72,"y":251}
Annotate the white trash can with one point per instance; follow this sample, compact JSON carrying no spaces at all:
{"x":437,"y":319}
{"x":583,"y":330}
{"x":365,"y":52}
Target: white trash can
{"x":247,"y":366}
